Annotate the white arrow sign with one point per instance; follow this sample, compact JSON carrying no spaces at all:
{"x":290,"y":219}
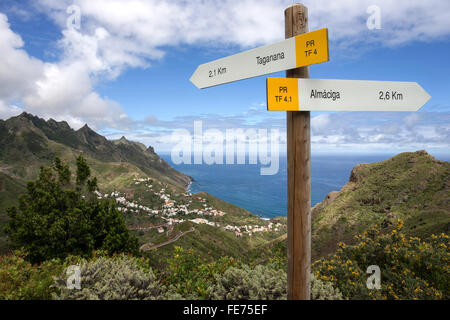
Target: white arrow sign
{"x":292,"y":94}
{"x":295,"y":52}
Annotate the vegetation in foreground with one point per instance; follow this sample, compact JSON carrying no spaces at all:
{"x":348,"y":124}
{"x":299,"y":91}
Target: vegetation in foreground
{"x":127,"y":277}
{"x":410,"y":269}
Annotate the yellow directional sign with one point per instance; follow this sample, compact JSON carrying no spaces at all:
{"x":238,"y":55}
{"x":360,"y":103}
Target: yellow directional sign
{"x":293,"y":94}
{"x":312,"y":47}
{"x":282,"y":94}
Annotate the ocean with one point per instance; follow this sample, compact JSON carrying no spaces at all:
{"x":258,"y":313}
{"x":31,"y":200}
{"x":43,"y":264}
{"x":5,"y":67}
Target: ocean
{"x":266,"y":196}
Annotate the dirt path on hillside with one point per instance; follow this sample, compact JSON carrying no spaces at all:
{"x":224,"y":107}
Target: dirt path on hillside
{"x":147,"y":247}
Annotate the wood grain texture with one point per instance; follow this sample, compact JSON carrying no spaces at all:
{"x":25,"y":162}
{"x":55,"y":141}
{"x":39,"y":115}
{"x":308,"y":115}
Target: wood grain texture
{"x":299,"y":175}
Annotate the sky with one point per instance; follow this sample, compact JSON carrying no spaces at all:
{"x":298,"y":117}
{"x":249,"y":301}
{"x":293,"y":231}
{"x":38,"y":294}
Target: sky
{"x":125,"y":69}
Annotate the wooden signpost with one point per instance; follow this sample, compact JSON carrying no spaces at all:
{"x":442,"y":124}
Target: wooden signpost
{"x":298,"y":95}
{"x":298,"y":175}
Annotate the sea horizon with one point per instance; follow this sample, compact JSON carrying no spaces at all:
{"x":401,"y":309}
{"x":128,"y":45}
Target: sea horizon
{"x":265,"y":196}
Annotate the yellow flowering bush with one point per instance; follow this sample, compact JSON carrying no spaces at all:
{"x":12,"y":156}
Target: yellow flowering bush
{"x":411,"y":268}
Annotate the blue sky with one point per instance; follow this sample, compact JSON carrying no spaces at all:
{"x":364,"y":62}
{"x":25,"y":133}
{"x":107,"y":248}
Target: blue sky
{"x":126,"y":70}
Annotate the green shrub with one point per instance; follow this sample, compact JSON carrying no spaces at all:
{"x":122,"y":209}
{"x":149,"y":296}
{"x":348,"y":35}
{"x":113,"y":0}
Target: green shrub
{"x":55,"y":219}
{"x":258,"y":283}
{"x":279,"y":255}
{"x":324,"y":290}
{"x":192,"y":275}
{"x":264,"y":282}
{"x":118,"y":278}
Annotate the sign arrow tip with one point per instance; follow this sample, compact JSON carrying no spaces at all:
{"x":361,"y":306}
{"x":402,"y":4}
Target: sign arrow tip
{"x":194,"y":78}
{"x":424,"y":95}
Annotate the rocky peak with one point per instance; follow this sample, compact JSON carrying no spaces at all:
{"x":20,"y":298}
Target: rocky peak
{"x":89,"y":136}
{"x":355,"y":175}
{"x":58,"y":125}
{"x":125,"y":141}
{"x":25,"y":115}
{"x":85,"y":128}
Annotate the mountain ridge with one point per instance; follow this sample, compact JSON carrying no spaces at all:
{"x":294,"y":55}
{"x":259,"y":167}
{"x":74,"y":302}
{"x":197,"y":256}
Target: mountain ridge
{"x":36,"y":137}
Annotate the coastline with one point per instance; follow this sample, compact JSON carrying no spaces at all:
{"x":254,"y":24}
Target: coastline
{"x":188,"y":188}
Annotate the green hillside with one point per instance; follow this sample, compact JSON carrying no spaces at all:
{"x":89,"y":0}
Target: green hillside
{"x":151,"y":194}
{"x":414,"y":187}
{"x":147,"y":190}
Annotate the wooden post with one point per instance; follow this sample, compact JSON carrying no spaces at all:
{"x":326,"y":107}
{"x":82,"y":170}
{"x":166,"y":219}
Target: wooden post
{"x":298,"y":174}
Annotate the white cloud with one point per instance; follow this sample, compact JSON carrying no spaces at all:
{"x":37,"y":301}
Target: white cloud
{"x":116,"y":35}
{"x":382,"y":132}
{"x":412,"y":119}
{"x":62,"y":90}
{"x":402,"y":21}
{"x":7,"y":111}
{"x":18,"y":70}
{"x":320,"y":123}
{"x":153,"y":23}
{"x":66,"y":90}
